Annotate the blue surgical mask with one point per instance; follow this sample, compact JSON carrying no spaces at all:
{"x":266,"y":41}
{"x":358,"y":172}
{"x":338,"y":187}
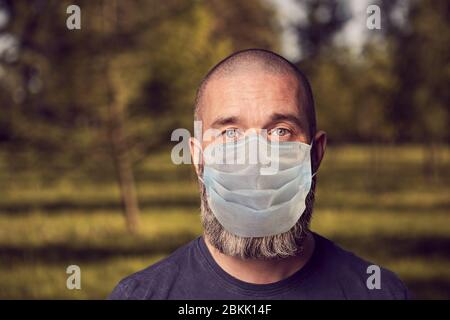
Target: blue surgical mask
{"x":247,"y":199}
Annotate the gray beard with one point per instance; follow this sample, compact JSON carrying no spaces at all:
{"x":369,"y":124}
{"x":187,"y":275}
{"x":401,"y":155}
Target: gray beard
{"x":277,"y":246}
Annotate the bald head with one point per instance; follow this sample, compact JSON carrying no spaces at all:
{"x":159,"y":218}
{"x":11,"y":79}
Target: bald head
{"x":257,"y":62}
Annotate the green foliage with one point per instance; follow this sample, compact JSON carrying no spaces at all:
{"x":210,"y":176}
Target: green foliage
{"x":395,"y":90}
{"x":421,"y":60}
{"x":146,"y":56}
{"x":324,"y":19}
{"x":247,"y":24}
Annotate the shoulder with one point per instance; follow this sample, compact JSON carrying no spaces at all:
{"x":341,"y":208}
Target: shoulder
{"x":161,"y":275}
{"x":359,"y":278}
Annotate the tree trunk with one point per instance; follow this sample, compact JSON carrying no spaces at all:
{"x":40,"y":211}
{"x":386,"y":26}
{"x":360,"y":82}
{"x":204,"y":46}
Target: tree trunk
{"x":123,"y":166}
{"x":119,"y":147}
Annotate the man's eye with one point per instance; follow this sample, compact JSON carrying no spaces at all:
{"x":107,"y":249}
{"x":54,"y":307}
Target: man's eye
{"x":281,"y":132}
{"x":231,"y":133}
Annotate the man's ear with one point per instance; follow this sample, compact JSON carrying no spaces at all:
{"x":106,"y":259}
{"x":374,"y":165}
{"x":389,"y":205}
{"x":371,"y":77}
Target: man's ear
{"x":319,"y":145}
{"x":196,"y":153}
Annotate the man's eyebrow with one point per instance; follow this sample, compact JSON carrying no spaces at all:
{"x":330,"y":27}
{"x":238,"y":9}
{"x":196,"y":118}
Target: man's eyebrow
{"x":277,"y":117}
{"x":222,"y":121}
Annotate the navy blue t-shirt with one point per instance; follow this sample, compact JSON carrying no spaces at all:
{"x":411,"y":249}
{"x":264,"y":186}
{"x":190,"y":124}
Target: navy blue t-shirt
{"x":191,"y":273}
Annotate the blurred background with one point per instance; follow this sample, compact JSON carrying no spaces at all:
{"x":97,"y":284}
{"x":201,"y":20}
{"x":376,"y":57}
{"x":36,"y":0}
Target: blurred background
{"x":86,"y":117}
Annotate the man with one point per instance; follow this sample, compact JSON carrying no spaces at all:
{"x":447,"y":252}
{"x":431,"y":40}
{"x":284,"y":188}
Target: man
{"x":256,"y":242}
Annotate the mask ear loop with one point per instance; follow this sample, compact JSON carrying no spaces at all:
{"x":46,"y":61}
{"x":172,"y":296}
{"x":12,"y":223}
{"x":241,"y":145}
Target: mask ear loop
{"x":312,"y":142}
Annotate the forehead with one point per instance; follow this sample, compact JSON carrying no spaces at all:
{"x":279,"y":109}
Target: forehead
{"x":250,"y":94}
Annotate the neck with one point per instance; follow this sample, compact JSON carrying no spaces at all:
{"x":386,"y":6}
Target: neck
{"x":263,"y":271}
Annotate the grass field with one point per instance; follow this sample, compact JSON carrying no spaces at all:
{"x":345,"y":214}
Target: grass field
{"x":388,"y":212}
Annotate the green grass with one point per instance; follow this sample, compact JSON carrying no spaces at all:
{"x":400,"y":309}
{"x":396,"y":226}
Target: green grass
{"x":388,"y":212}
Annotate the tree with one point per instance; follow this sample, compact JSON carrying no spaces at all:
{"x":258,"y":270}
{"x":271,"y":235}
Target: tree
{"x":421,"y":55}
{"x":102,"y":98}
{"x":247,"y":24}
{"x":92,"y":105}
{"x":324,"y":19}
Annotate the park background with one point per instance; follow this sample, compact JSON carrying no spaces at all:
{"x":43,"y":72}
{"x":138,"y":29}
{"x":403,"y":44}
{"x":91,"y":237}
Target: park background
{"x":86,"y":117}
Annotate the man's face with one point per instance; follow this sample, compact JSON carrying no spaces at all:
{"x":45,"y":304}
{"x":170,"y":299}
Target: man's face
{"x":231,"y":106}
{"x":234,"y":104}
